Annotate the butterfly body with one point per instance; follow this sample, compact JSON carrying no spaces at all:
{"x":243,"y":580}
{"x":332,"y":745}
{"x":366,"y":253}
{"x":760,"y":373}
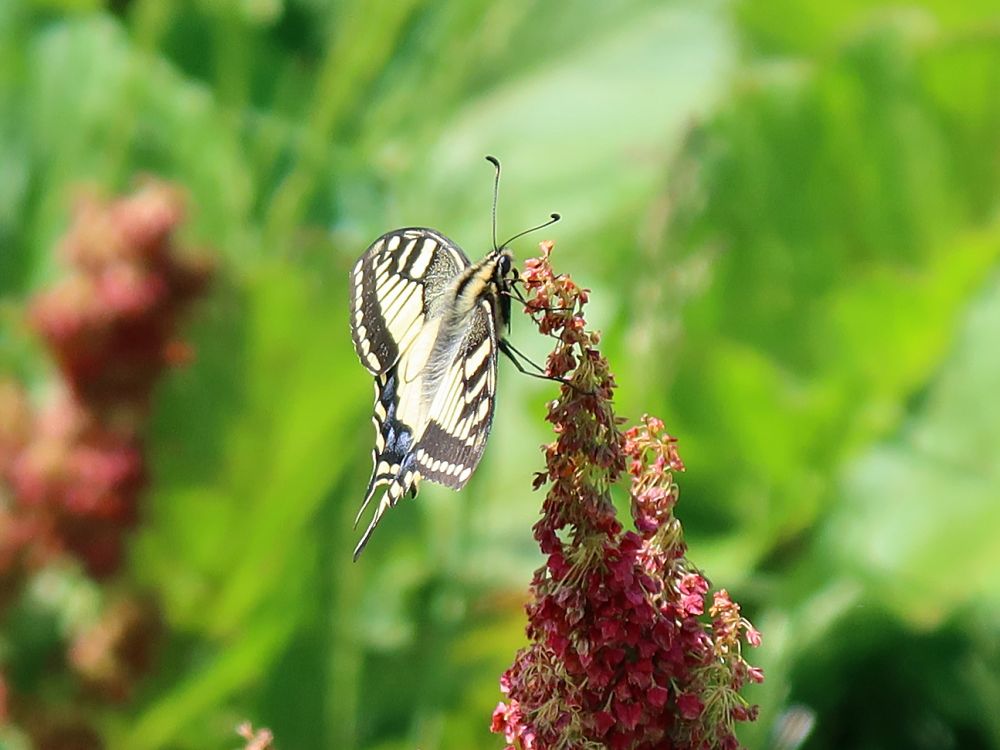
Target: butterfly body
{"x":426,"y":323}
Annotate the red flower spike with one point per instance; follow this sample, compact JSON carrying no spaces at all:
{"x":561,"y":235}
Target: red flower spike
{"x":110,"y":325}
{"x":74,"y":468}
{"x":619,"y":638}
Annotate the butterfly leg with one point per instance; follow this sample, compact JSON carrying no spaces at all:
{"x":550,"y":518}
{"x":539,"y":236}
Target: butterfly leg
{"x":512,"y":354}
{"x":514,"y":350}
{"x":508,"y":349}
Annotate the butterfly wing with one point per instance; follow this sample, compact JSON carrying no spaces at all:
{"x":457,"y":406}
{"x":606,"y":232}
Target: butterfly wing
{"x":461,"y":414}
{"x":446,"y":445}
{"x":395,"y":287}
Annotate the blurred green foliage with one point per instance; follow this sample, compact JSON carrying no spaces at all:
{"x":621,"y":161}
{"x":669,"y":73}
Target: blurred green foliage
{"x":787,"y":212}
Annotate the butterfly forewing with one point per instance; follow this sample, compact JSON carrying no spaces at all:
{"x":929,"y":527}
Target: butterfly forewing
{"x":394,"y":287}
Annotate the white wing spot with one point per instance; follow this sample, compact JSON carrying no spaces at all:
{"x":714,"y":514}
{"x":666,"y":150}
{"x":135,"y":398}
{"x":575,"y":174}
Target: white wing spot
{"x":423,"y":260}
{"x":393,"y":243}
{"x":484,"y":407}
{"x":466,"y":473}
{"x":373,"y":361}
{"x":475,"y":360}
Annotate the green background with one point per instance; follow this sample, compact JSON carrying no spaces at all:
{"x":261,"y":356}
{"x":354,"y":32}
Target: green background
{"x":788,"y":215}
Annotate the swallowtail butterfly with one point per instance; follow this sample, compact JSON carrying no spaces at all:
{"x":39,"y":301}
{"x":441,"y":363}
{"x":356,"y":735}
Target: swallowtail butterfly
{"x":428,"y":324}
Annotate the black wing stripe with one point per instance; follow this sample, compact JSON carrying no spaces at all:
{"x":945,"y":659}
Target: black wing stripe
{"x":375,"y":345}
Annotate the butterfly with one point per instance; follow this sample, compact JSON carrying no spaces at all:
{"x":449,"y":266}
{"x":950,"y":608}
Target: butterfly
{"x":428,"y":324}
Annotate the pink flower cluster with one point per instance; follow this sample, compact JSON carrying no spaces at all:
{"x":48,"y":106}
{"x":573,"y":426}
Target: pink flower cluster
{"x":111,"y":324}
{"x":621,"y":654}
{"x":76,"y":466}
{"x":73,"y":467}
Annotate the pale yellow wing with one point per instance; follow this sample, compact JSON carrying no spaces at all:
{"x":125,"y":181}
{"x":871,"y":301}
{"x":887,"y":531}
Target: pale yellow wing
{"x":394,"y":287}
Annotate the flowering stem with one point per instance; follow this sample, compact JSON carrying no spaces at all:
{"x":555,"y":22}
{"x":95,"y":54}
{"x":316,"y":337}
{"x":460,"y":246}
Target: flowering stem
{"x":620,"y":652}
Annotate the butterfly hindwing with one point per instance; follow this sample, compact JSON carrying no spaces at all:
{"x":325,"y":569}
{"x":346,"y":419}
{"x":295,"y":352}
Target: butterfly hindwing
{"x":396,"y":286}
{"x":461,"y":414}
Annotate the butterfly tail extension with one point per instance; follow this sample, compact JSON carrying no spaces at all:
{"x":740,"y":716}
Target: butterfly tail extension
{"x":378,"y":480}
{"x":399,"y":486}
{"x":392,"y":458}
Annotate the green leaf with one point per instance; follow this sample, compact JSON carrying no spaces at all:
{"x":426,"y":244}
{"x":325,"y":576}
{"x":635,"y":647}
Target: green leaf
{"x":919,"y":517}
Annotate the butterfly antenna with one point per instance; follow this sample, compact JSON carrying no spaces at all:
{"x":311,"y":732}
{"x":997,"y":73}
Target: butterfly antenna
{"x":496,"y":192}
{"x":553,"y":218}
